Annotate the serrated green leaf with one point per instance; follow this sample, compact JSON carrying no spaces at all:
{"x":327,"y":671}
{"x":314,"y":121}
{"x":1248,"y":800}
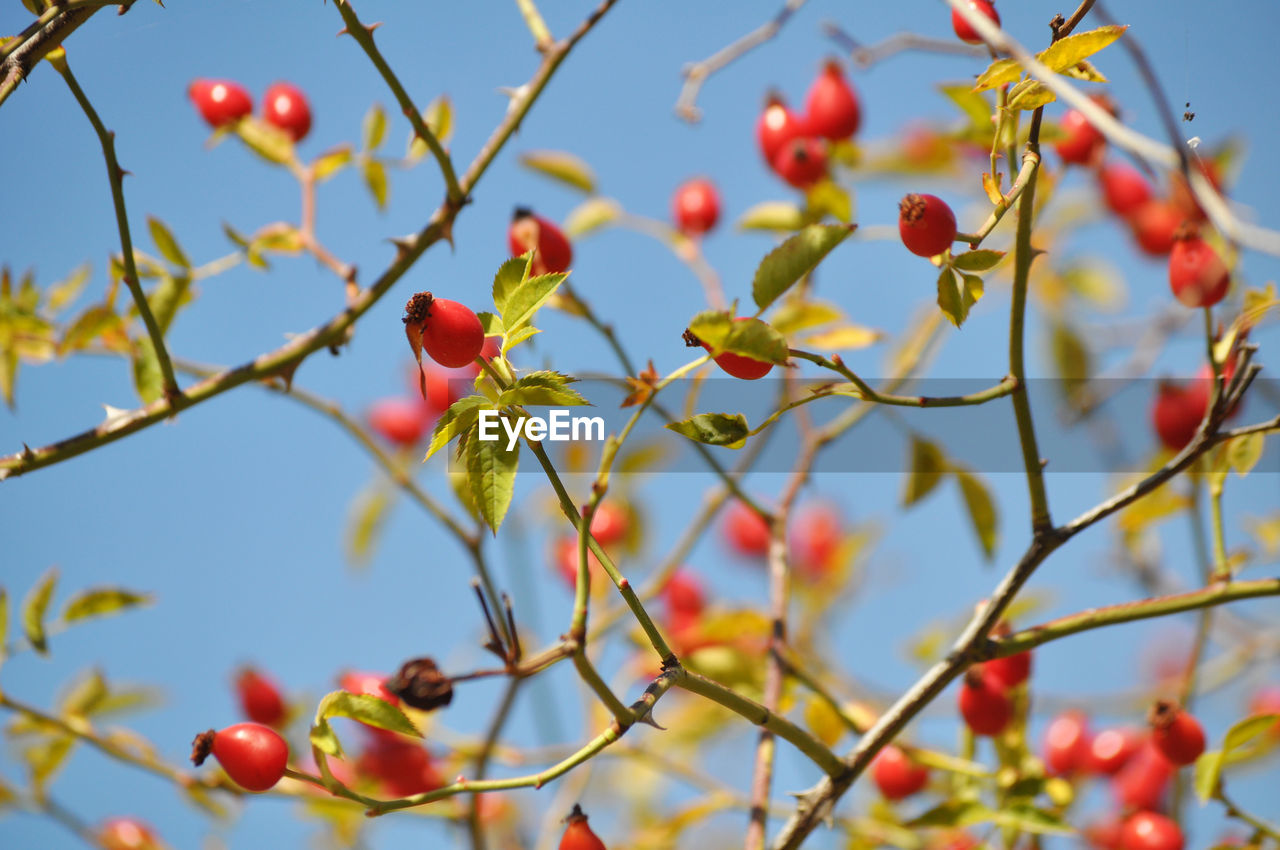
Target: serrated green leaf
{"x":518,"y":337}
{"x":45,"y":759}
{"x":773,"y":216}
{"x":491,"y":470}
{"x":980,"y":260}
{"x":714,"y":429}
{"x":438,"y":116}
{"x":793,"y":259}
{"x":366,"y":708}
{"x":331,"y":162}
{"x":89,"y":326}
{"x":34,"y":607}
{"x":542,"y":389}
{"x":511,"y":276}
{"x":928,"y":465}
{"x":166,"y":243}
{"x":458,"y":419}
{"x":147,"y":379}
{"x":950,"y":297}
{"x":564,"y":167}
{"x":845,"y":337}
{"x":746,"y":336}
{"x":491,"y":324}
{"x":373,"y":129}
{"x":64,"y":292}
{"x":826,"y":197}
{"x":527,"y":298}
{"x":795,"y":315}
{"x":268,"y":142}
{"x":375,"y":178}
{"x":84,"y":695}
{"x":1030,"y":94}
{"x":591,"y":214}
{"x":102,"y":602}
{"x":981,"y":509}
{"x":998,"y":73}
{"x":1075,"y":48}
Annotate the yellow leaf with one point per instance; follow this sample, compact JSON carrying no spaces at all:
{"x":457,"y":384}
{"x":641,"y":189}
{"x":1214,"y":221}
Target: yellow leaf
{"x":997,"y":74}
{"x":1070,"y":51}
{"x":848,"y":337}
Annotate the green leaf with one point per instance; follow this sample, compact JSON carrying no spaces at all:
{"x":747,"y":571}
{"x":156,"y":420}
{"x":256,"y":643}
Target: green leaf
{"x":773,"y":216}
{"x":85,"y":694}
{"x":518,"y":337}
{"x":562,"y":166}
{"x":796,"y":314}
{"x":458,"y":419}
{"x":45,"y":759}
{"x":89,"y":326}
{"x":8,"y":374}
{"x":998,"y":73}
{"x":331,"y":162}
{"x":375,"y":178}
{"x":1024,"y":817}
{"x":281,"y":238}
{"x":438,"y":116}
{"x":1208,"y":771}
{"x":980,"y":260}
{"x":844,"y":337}
{"x":511,"y":274}
{"x":951,"y":299}
{"x":826,"y":197}
{"x":928,"y":465}
{"x":34,"y":606}
{"x":102,"y":602}
{"x":749,"y":337}
{"x":1030,"y":94}
{"x":368,"y":709}
{"x":166,"y":244}
{"x":1075,"y":48}
{"x":527,"y":298}
{"x":64,"y":292}
{"x":714,"y":429}
{"x":952,"y":813}
{"x":793,"y":259}
{"x":973,"y":290}
{"x":268,"y":142}
{"x":147,"y":379}
{"x":324,"y":739}
{"x":365,"y":521}
{"x":170,"y":294}
{"x":591,"y":214}
{"x":491,"y":324}
{"x":1244,"y":452}
{"x":542,"y":389}
{"x":491,"y":469}
{"x":973,"y":105}
{"x":373,"y":130}
{"x":981,"y":508}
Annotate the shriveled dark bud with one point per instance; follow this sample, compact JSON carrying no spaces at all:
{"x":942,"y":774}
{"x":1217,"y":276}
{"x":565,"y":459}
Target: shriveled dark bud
{"x":418,"y":308}
{"x":201,"y":747}
{"x":420,"y":684}
{"x":690,"y":340}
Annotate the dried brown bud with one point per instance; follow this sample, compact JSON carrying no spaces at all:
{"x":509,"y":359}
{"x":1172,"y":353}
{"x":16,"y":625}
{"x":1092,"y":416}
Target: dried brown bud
{"x":420,"y":684}
{"x":418,"y":308}
{"x":690,"y":340}
{"x":201,"y":747}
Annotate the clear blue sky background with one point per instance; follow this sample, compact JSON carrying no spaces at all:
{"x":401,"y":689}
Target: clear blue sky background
{"x":233,"y":514}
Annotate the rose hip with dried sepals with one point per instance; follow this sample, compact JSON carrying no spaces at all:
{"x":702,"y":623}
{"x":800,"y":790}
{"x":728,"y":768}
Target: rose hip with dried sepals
{"x":984,"y":704}
{"x":926,"y":224}
{"x":1176,"y":733}
{"x":831,"y":106}
{"x":552,"y":252}
{"x":253,"y":755}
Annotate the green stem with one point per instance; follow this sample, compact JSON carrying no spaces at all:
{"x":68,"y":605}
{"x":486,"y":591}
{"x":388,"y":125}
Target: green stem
{"x":866,"y":392}
{"x":1030,"y":162}
{"x":588,"y":674}
{"x":537,"y":26}
{"x":1265,"y":827}
{"x":116,"y":178}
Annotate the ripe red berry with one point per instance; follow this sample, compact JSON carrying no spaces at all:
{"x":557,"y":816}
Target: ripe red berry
{"x":964,"y":31}
{"x":1010,"y":671}
{"x":777,"y":126}
{"x":831,"y":107}
{"x":926,"y":224}
{"x":739,"y":365}
{"x":451,"y":333}
{"x":221,"y":102}
{"x":566,"y":561}
{"x":984,"y":704}
{"x":1081,"y":143}
{"x":1177,"y":413}
{"x":552,"y":251}
{"x":253,"y":755}
{"x":896,"y":775}
{"x":401,"y":421}
{"x":816,"y":534}
{"x":260,"y":698}
{"x":370,"y":684}
{"x":1111,"y":749}
{"x":610,"y":523}
{"x":801,"y":162}
{"x":1154,"y":225}
{"x":695,"y":206}
{"x":745,"y":530}
{"x":1104,"y":834}
{"x":1066,"y":743}
{"x":577,"y":835}
{"x":402,"y":766}
{"x":1197,"y":275}
{"x":1150,"y":831}
{"x":1180,"y":193}
{"x":286,"y":107}
{"x":684,"y":598}
{"x":1142,"y":782}
{"x":1176,"y":733}
{"x":1124,"y":189}
{"x":126,"y":834}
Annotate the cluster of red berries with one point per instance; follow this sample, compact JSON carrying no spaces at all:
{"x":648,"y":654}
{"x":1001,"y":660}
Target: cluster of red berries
{"x":816,"y":535}
{"x":611,"y":525}
{"x":793,"y":145}
{"x":986,"y":699}
{"x":222,"y":103}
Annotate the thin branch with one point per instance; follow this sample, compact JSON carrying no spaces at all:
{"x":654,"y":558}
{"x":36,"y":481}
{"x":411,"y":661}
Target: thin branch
{"x":19,"y":56}
{"x":1004,"y":387}
{"x":1030,"y":164}
{"x":903,"y":42}
{"x":537,"y":26}
{"x":697,"y":73}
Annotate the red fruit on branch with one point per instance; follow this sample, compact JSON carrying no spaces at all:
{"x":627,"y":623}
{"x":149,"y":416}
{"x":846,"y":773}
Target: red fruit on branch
{"x":1154,"y":225}
{"x":831,"y":107}
{"x":220,"y":102}
{"x":896,"y":775}
{"x":577,"y":835}
{"x":126,"y":834}
{"x":260,"y":698}
{"x":1180,"y":193}
{"x":777,"y":126}
{"x":684,"y":598}
{"x":926,"y":224}
{"x":1177,"y":413}
{"x":552,"y":251}
{"x":737,"y":365}
{"x":801,"y":162}
{"x":1197,"y":275}
{"x":1111,"y":749}
{"x":964,"y":30}
{"x":816,"y":534}
{"x":1176,"y":733}
{"x":745,"y":530}
{"x":401,"y":766}
{"x":1142,"y":782}
{"x":610,"y":523}
{"x":1150,"y":831}
{"x":253,"y":755}
{"x":400,"y":421}
{"x":1124,"y":189}
{"x":695,"y":206}
{"x":566,"y":560}
{"x":1066,"y":743}
{"x":1081,"y":143}
{"x":984,"y":704}
{"x":449,"y":332}
{"x":286,"y":107}
{"x":1105,"y":834}
{"x":1010,"y":671}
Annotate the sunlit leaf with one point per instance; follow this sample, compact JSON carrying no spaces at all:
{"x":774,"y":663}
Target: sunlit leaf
{"x":845,"y":337}
{"x":331,"y":162}
{"x":166,"y":244}
{"x":34,"y":607}
{"x":564,"y":167}
{"x":368,"y":709}
{"x":375,"y":178}
{"x":373,"y":129}
{"x":714,"y":429}
{"x":979,"y":260}
{"x":64,"y":292}
{"x":458,"y":419}
{"x":590,"y":215}
{"x":542,"y":389}
{"x":981,"y":509}
{"x":998,"y":73}
{"x":793,"y":259}
{"x":1075,"y":48}
{"x":773,"y":216}
{"x":491,"y":469}
{"x":102,"y":602}
{"x":928,"y":465}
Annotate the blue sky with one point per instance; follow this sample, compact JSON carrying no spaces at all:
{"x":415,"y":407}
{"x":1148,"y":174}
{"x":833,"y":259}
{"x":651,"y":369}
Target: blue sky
{"x":233,"y":513}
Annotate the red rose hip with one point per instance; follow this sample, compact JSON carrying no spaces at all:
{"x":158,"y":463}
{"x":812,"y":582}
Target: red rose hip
{"x":896,"y":775}
{"x":552,"y":251}
{"x":450,"y":333}
{"x":1176,"y":733}
{"x":1111,"y":749}
{"x":746,"y":531}
{"x":1066,"y":743}
{"x":738,"y":365}
{"x":1150,"y":831}
{"x":1154,"y":225}
{"x":831,"y":107}
{"x":126,"y":834}
{"x":253,"y":755}
{"x":984,"y":704}
{"x":260,"y":698}
{"x":926,"y":224}
{"x":695,"y":207}
{"x":1081,"y":142}
{"x":220,"y":102}
{"x":1197,"y":275}
{"x":1124,"y":189}
{"x":964,"y":30}
{"x":777,"y":126}
{"x":400,"y":421}
{"x":286,"y":107}
{"x":577,"y":835}
{"x":801,"y":162}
